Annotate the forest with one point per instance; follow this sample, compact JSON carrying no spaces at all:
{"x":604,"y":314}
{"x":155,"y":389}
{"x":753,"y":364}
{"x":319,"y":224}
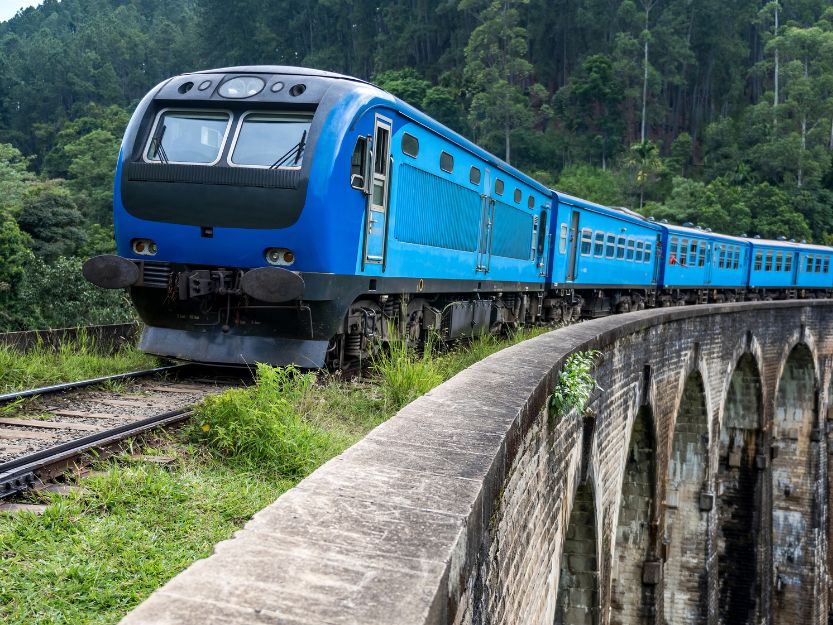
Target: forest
{"x":715,"y":113}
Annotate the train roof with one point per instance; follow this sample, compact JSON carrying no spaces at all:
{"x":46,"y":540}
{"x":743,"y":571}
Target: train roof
{"x":622,"y":213}
{"x":287,"y":70}
{"x":703,"y":233}
{"x":790,"y":245}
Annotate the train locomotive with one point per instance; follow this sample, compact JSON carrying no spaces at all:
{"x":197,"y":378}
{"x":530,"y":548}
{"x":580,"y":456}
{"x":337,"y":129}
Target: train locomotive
{"x":294,"y":216}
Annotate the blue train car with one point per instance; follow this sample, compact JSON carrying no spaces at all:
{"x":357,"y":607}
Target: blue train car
{"x":813,"y":270}
{"x":605,"y":249}
{"x":779,"y":268}
{"x":287,"y":215}
{"x":696,"y":261}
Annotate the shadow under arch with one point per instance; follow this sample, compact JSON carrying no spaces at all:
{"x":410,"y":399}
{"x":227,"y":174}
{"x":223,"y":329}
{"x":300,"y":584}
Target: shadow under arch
{"x":739,"y":496}
{"x":686,"y":524}
{"x":578,"y":581}
{"x":631,"y":599}
{"x":796,"y":533}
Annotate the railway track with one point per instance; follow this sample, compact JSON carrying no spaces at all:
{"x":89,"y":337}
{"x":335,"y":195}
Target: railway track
{"x":45,"y":431}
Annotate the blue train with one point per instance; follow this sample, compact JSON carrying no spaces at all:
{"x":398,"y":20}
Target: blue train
{"x":289,"y":215}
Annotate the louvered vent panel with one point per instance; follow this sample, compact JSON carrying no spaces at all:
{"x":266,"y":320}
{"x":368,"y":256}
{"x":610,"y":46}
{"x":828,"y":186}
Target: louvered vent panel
{"x":435,"y":211}
{"x":512,"y":232}
{"x":156,"y":275}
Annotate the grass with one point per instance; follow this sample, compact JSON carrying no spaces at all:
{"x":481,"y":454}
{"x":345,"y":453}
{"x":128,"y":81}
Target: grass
{"x":75,"y":360}
{"x":96,"y":554}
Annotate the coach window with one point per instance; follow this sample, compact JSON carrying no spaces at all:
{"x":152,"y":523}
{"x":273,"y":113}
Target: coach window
{"x":648,"y":252}
{"x":499,"y":186}
{"x":692,"y":252}
{"x":446,"y":162}
{"x":779,"y":260}
{"x":188,"y":137}
{"x":620,"y":248}
{"x":518,"y":196}
{"x":672,"y":250}
{"x":610,"y":249}
{"x":818,"y":264}
{"x":701,"y":260}
{"x":531,"y":202}
{"x":737,"y":257}
{"x":788,"y":261}
{"x":562,"y":240}
{"x":826,"y":266}
{"x":639,"y":247}
{"x":586,"y":238}
{"x":410,"y":145}
{"x":631,"y":246}
{"x":599,"y":245}
{"x":683,"y":260}
{"x":474,"y":175}
{"x":808,"y":260}
{"x":768,"y":262}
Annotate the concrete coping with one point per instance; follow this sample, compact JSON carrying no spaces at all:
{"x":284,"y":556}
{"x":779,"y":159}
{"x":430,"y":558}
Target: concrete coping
{"x":387,"y":532}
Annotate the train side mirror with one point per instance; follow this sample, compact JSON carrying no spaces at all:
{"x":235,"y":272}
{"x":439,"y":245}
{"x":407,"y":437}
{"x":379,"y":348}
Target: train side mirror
{"x":360,"y":165}
{"x":357,"y":182}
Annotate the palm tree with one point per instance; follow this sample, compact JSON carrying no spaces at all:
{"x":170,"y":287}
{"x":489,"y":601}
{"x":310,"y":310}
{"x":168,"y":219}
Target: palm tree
{"x":644,"y":160}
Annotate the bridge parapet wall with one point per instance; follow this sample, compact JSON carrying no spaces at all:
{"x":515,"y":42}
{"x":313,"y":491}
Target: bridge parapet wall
{"x":476,"y":505}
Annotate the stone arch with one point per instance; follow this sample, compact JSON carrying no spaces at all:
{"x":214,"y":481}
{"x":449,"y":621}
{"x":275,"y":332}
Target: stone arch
{"x":686,"y":523}
{"x":795,"y":527}
{"x":739,"y":496}
{"x":578,"y":582}
{"x":633,"y":584}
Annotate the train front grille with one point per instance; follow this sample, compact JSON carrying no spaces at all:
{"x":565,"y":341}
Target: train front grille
{"x":156,"y":274}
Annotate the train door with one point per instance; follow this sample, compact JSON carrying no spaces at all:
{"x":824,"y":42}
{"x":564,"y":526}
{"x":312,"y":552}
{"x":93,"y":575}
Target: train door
{"x":796,"y":265}
{"x":657,"y":258}
{"x":487,"y":218}
{"x":711,"y":252}
{"x":377,"y":213}
{"x":571,"y":267}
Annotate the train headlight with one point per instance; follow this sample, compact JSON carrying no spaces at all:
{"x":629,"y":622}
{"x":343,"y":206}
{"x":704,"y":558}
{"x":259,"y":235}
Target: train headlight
{"x":144,"y":247}
{"x":279,"y":256}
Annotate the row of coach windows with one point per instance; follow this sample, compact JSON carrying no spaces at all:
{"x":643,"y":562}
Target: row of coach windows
{"x":727,"y":256}
{"x":410,"y":147}
{"x":606,"y":245}
{"x":686,"y":252}
{"x":817,"y":263}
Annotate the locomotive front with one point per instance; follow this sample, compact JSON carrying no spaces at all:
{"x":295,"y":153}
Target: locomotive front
{"x":219,"y":238}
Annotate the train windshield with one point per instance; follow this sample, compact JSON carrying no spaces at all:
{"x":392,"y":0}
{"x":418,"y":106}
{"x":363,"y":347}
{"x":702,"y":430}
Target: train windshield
{"x":188,"y":137}
{"x":271,"y":140}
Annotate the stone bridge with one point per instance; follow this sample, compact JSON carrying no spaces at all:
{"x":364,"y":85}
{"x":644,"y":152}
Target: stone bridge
{"x":694,"y":489}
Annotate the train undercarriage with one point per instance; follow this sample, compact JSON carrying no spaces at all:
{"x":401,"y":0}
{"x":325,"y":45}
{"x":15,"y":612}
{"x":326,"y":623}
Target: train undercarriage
{"x":206,"y":314}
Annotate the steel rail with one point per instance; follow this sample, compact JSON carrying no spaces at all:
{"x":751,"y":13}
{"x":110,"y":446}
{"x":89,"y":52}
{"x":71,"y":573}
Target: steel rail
{"x":23,"y":473}
{"x":67,"y":386}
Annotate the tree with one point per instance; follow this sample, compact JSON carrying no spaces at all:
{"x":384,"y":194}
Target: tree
{"x":644,"y":162}
{"x":504,"y":97}
{"x":49,"y":216}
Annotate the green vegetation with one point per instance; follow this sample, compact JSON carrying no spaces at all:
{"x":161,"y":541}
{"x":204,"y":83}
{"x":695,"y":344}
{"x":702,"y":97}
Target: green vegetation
{"x":73,"y":360}
{"x":719,"y":114}
{"x":575,"y":383}
{"x":97,"y":553}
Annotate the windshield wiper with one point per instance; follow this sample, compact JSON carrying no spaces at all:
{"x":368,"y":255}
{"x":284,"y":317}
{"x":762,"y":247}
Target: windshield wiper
{"x":296,"y":150}
{"x":156,"y":144}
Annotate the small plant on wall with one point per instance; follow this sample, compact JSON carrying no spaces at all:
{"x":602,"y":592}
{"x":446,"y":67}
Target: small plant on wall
{"x":575,"y":383}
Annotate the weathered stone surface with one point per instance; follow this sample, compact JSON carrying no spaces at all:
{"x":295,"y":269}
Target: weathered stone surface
{"x":473,"y":505}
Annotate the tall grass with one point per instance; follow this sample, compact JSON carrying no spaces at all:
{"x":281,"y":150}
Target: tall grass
{"x":264,"y":427}
{"x":404,"y":374}
{"x":77,"y":359}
